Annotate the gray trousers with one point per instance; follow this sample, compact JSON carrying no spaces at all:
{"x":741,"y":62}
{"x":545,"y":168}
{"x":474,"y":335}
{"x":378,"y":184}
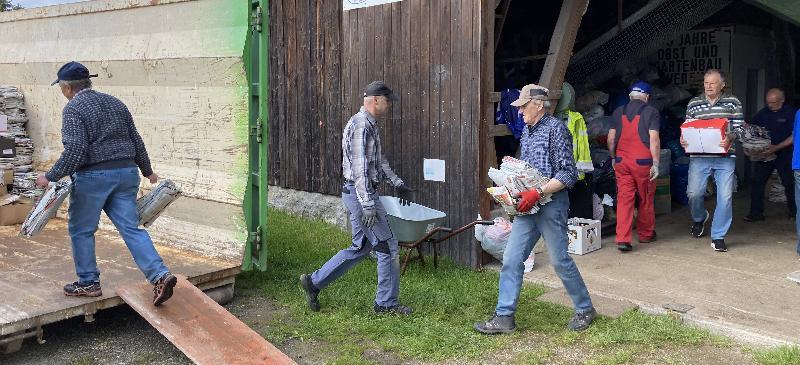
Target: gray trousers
{"x":379,"y":237}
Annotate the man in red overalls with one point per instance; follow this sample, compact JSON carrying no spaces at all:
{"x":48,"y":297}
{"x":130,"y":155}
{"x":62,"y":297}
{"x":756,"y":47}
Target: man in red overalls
{"x":635,"y":146}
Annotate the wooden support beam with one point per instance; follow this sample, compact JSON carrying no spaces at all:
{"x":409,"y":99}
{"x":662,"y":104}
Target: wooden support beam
{"x":486,"y":150}
{"x":522,"y":59}
{"x":560,"y":52}
{"x":499,"y":130}
{"x":502,"y":22}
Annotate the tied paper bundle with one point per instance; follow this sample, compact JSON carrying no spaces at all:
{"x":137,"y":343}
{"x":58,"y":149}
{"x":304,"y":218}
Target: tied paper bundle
{"x":514,"y":177}
{"x":13,"y":106}
{"x":46,"y":208}
{"x":153,"y":204}
{"x":755,"y":141}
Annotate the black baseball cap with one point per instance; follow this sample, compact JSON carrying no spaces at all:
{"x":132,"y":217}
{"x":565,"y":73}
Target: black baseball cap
{"x":72,"y":71}
{"x":379,"y":88}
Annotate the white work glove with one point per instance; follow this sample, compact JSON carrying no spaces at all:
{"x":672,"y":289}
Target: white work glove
{"x":654,"y":171}
{"x":369,"y":216}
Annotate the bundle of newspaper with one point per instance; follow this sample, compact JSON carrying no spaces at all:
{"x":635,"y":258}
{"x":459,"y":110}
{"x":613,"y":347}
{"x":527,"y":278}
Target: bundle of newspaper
{"x":46,"y":208}
{"x":12,"y":99}
{"x":14,"y":108}
{"x":514,"y":177}
{"x":153,"y":204}
{"x":755,"y":140}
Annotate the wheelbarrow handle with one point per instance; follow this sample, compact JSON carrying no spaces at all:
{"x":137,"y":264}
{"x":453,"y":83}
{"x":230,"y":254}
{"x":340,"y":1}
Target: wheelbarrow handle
{"x":462,"y":229}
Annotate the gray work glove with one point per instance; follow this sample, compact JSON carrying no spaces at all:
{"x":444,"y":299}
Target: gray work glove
{"x":654,"y":171}
{"x":369,"y":216}
{"x":403,"y":191}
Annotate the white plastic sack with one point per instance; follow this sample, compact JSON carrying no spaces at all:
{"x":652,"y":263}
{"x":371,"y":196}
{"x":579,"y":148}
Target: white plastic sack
{"x":494,"y":238}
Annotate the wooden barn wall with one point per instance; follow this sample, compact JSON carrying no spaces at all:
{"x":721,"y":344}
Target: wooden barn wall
{"x":305,"y":116}
{"x":428,"y":52}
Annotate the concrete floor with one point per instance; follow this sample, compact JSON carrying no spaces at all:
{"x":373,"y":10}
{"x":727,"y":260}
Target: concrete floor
{"x":743,"y":293}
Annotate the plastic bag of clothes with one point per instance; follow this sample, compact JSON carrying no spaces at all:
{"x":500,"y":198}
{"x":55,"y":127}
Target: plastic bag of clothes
{"x":494,"y":238}
{"x":153,"y":204}
{"x":755,"y":140}
{"x":46,"y":208}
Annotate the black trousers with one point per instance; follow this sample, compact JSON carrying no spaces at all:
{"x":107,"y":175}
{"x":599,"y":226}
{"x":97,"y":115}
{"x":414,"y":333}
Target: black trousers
{"x":580,"y":199}
{"x":762,"y":172}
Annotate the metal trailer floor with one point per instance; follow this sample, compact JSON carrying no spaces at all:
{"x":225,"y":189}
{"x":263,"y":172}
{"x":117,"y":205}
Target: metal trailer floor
{"x":34,"y":270}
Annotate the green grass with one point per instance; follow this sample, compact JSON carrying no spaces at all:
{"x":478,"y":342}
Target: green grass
{"x":447,"y":302}
{"x":782,"y":355}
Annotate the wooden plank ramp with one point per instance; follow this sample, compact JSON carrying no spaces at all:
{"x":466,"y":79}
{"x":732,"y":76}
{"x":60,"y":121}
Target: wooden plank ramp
{"x":202,"y":329}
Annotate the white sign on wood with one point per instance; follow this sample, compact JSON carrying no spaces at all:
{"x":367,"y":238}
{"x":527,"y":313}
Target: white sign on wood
{"x":355,"y":4}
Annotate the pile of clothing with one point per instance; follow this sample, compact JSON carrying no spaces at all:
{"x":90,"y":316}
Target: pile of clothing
{"x":12,"y":105}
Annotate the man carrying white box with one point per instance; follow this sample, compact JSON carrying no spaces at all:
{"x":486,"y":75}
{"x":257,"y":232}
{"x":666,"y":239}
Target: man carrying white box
{"x":546,"y":145}
{"x":713,"y":104}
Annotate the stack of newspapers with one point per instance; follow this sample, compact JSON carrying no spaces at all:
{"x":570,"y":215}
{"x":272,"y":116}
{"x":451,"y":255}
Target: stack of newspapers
{"x":514,"y":177}
{"x":153,"y":204}
{"x":46,"y":208}
{"x":12,"y":105}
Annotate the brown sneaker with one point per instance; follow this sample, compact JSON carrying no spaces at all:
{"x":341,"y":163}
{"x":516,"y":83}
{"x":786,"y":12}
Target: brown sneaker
{"x":162,"y":290}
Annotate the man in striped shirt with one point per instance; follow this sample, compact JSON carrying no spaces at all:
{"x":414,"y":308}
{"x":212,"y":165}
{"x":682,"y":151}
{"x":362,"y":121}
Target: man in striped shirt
{"x":714,"y":104}
{"x":363,"y":167}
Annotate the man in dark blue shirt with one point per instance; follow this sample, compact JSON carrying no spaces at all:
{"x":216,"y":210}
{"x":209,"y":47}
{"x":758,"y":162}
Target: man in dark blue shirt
{"x":778,"y":119}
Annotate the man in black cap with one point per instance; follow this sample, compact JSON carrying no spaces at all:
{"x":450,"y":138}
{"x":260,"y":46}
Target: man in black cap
{"x":103,"y":154}
{"x":363,"y":167}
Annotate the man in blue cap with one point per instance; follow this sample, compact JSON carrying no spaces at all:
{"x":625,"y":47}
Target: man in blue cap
{"x":103,"y":154}
{"x":635,"y":146}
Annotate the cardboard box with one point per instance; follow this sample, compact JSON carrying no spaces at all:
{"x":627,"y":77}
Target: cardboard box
{"x":8,"y":147}
{"x":704,"y":135}
{"x":6,"y":179}
{"x":663,"y":197}
{"x":15,"y":213}
{"x":584,"y":235}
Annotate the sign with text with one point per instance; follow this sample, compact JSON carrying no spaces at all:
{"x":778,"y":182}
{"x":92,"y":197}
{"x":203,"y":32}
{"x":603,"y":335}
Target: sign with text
{"x":355,"y":4}
{"x":685,"y":59}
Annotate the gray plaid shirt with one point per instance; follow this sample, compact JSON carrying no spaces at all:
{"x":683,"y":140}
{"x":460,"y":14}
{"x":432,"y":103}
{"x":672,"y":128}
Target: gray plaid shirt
{"x":97,"y":128}
{"x":362,"y":158}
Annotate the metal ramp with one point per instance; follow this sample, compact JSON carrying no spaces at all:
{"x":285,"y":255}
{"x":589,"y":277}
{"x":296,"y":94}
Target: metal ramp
{"x":202,"y":329}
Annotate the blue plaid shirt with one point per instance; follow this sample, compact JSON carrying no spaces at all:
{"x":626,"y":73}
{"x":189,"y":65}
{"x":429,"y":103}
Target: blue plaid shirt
{"x":547,"y":146}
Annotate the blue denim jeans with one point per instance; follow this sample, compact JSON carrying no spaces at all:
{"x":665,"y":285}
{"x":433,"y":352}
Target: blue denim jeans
{"x":797,"y":201}
{"x":549,"y":222}
{"x":700,"y":169}
{"x":113,"y":191}
{"x":379,"y":237}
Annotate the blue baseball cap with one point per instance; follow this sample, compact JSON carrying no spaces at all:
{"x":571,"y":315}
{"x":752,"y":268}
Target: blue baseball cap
{"x":72,"y":71}
{"x":642,"y":87}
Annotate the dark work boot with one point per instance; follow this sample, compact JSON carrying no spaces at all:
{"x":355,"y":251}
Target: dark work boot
{"x":496,"y":325}
{"x":624,"y":247}
{"x":311,"y":292}
{"x":581,"y":321}
{"x":395,"y":309}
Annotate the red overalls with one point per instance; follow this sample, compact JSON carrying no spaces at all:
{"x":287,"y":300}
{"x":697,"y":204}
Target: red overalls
{"x":632,"y":169}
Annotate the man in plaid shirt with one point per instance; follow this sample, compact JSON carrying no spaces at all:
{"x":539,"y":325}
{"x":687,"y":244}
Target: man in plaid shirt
{"x":547,"y":146}
{"x":363,"y":167}
{"x":103,"y":154}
